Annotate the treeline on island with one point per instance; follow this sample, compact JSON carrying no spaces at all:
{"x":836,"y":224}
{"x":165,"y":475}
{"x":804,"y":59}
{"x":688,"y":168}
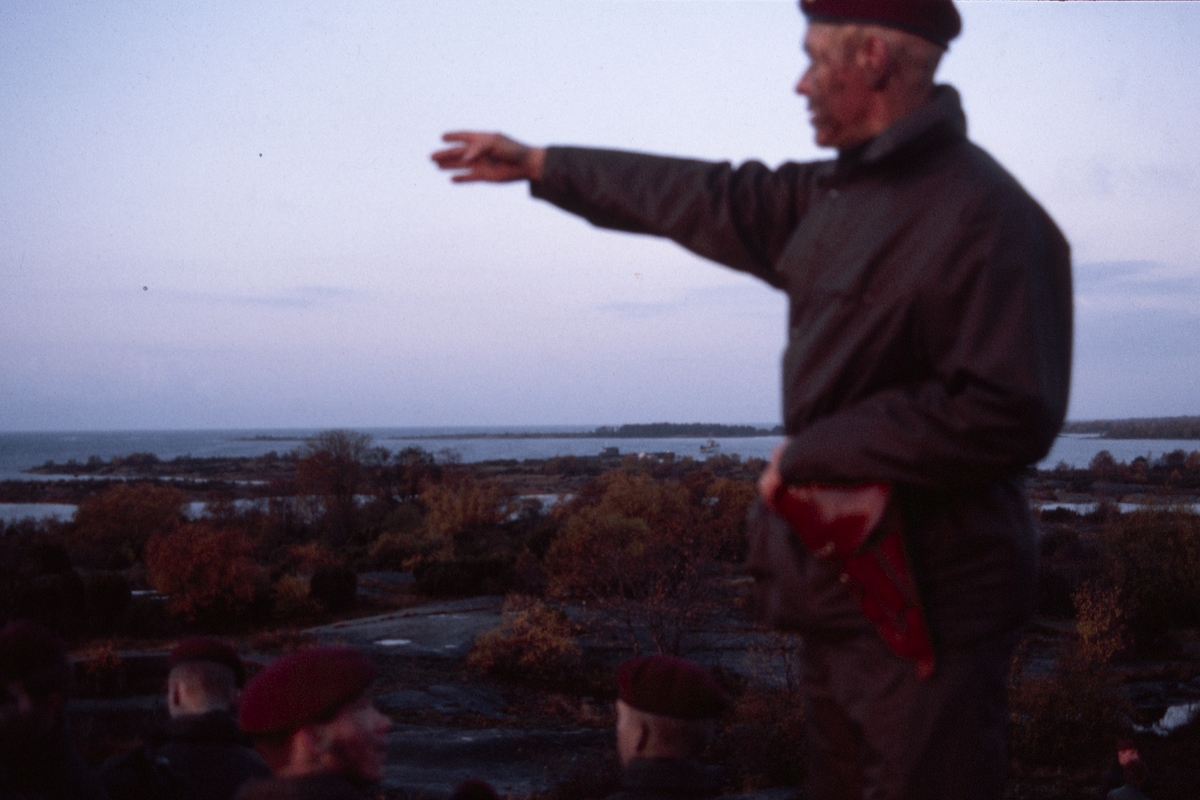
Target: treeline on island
{"x":698,"y":430}
{"x":1145,"y":428}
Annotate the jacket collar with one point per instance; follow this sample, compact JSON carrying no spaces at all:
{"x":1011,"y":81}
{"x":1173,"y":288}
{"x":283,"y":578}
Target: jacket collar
{"x":669,"y":775}
{"x":940,"y":120}
{"x":218,"y":727}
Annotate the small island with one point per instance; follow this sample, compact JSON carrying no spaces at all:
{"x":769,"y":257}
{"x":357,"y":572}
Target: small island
{"x":1142,"y":428}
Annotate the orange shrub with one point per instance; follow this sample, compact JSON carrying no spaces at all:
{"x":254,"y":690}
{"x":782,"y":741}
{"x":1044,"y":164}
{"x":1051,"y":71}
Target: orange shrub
{"x":534,"y":645}
{"x":205,"y":572}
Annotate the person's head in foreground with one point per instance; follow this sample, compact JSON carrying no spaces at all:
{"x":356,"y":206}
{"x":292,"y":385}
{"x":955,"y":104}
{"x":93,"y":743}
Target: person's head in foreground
{"x":35,"y":679}
{"x":871,"y":62}
{"x":311,"y":713}
{"x":205,"y":675}
{"x":665,"y":708}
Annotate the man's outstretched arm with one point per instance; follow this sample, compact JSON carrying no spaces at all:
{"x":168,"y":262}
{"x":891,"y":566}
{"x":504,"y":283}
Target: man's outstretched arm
{"x":491,"y":157}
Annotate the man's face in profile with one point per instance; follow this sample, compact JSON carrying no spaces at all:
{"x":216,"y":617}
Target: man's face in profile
{"x":359,"y":734}
{"x":836,"y":87}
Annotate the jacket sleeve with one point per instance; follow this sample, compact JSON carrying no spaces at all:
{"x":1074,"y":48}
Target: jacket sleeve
{"x":740,"y":217}
{"x":994,"y":326}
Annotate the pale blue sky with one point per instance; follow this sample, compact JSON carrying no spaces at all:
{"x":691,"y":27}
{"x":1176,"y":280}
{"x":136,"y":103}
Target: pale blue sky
{"x":261,"y":168}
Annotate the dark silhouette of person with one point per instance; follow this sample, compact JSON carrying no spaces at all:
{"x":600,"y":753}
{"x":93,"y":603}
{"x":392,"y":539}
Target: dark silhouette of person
{"x":37,"y":758}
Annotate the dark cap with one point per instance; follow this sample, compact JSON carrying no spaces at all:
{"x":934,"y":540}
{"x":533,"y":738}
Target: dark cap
{"x":303,"y":688}
{"x":208,"y":648}
{"x":670,"y":687}
{"x":32,"y":654}
{"x":935,"y":20}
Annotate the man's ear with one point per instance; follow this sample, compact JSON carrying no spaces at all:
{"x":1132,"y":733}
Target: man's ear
{"x":875,"y":58}
{"x":304,"y":749}
{"x":308,"y":744}
{"x":642,"y":742}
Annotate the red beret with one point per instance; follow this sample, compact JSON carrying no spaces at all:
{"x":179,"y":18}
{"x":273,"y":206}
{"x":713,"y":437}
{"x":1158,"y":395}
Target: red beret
{"x":302,"y":688}
{"x":935,"y":20}
{"x":670,"y":687}
{"x":207,"y":648}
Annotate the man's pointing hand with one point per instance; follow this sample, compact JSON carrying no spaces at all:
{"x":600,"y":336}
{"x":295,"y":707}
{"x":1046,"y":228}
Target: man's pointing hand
{"x":490,"y":157}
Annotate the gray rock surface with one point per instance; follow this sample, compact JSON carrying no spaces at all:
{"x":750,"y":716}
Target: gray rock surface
{"x":442,"y":630}
{"x":428,"y":762}
{"x":443,"y":699}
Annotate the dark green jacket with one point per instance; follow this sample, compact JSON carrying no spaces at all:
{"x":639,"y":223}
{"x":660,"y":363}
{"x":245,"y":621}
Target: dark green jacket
{"x":194,"y":757}
{"x":665,"y":779}
{"x":310,"y":787}
{"x":47,"y":768}
{"x":929,"y":331}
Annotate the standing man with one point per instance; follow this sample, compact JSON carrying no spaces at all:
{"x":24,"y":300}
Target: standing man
{"x":929,"y":351}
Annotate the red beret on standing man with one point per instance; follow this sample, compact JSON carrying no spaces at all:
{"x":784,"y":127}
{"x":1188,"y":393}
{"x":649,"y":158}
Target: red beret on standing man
{"x":935,"y":20}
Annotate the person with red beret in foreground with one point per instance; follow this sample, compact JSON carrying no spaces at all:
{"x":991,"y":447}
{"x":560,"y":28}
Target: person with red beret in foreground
{"x":927,"y":365}
{"x":311,"y":716}
{"x":665,"y":712}
{"x":199,"y":754}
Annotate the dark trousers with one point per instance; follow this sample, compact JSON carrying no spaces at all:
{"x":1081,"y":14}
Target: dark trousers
{"x":877,"y":732}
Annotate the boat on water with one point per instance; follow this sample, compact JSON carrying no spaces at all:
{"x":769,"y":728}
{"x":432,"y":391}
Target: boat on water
{"x":710,"y":447}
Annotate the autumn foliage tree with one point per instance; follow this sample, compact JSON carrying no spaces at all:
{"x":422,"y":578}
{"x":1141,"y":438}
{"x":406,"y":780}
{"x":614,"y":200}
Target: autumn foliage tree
{"x":1153,"y":561}
{"x":534,"y":645}
{"x":464,"y":502}
{"x":410,"y":471}
{"x":207,"y":573}
{"x":644,"y":552}
{"x":333,"y":468}
{"x":115,"y":525}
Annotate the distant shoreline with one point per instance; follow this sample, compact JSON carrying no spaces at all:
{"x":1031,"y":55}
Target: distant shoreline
{"x":654,"y":430}
{"x":1151,"y":428}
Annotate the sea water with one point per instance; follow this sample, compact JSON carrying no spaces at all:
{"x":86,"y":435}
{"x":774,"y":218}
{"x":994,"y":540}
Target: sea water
{"x":22,"y":451}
